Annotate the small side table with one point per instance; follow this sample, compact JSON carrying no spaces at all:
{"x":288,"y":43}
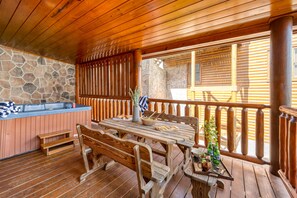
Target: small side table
{"x":201,"y":183}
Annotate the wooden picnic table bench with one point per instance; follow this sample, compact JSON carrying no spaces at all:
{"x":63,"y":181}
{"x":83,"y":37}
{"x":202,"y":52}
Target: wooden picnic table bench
{"x":137,"y":156}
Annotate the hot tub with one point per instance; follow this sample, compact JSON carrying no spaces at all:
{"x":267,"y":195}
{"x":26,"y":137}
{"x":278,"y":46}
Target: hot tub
{"x":18,"y":132}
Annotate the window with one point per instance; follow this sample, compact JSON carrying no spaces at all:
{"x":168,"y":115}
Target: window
{"x":197,"y":74}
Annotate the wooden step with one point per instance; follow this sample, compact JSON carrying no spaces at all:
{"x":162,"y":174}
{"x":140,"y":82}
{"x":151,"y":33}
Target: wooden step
{"x":60,"y":149}
{"x":54,"y":134}
{"x":57,"y":142}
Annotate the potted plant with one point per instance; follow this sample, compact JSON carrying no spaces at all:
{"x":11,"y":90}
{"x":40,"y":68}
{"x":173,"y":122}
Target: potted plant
{"x":211,"y":135}
{"x":135,"y":101}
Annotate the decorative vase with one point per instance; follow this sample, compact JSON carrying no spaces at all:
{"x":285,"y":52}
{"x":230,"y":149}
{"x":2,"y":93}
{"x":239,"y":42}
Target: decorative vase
{"x":135,"y":117}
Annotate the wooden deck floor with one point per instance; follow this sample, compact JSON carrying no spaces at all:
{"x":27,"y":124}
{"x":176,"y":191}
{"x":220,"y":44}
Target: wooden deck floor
{"x":37,"y":175}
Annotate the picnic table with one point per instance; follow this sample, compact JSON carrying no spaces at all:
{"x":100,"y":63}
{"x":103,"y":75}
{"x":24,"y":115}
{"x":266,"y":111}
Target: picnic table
{"x":166,"y":138}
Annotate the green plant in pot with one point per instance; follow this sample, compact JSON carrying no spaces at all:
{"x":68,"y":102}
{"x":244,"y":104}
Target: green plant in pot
{"x":211,"y":135}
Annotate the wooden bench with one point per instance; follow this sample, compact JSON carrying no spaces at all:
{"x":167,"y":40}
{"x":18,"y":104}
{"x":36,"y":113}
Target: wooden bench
{"x":184,"y":146}
{"x":59,"y":145}
{"x":137,"y":156}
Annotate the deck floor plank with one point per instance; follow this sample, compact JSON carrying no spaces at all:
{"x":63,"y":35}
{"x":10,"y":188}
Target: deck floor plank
{"x":237,"y":185}
{"x":263,"y":182}
{"x":251,"y":187}
{"x":277,"y":185}
{"x":75,"y":187}
{"x":20,"y":159}
{"x":182,"y":188}
{"x":34,"y":189}
{"x":35,"y":173}
{"x":39,"y":180}
{"x":106,"y":186}
{"x":27,"y":167}
{"x":58,"y":176}
{"x":122,"y":189}
{"x":227,"y":183}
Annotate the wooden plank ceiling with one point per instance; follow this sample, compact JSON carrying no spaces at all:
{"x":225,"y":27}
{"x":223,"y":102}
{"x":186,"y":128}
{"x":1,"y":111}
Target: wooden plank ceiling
{"x":81,"y":30}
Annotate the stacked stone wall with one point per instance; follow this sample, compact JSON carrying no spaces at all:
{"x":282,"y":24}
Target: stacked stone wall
{"x":153,"y":79}
{"x":27,"y":78}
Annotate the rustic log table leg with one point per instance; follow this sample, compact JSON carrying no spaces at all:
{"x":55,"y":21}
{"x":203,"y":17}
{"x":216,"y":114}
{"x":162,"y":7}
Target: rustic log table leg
{"x":200,"y":189}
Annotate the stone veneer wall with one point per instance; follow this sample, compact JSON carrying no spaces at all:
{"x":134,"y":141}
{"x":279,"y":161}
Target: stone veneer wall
{"x":27,"y":78}
{"x":153,"y":79}
{"x":176,"y":78}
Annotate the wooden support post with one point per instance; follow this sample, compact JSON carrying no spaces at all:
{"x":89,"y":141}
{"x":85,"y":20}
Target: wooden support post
{"x":77,"y":83}
{"x":233,"y":71}
{"x":193,"y":70}
{"x":192,"y":89}
{"x":280,"y":80}
{"x":137,"y":68}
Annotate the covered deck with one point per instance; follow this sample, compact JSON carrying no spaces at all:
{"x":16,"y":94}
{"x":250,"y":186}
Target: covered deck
{"x":89,"y":52}
{"x":36,"y":175}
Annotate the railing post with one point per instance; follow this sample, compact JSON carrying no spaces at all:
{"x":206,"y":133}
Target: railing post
{"x":127,"y":107}
{"x":123,"y":107}
{"x":163,"y":107}
{"x":115,"y":109}
{"x":206,"y":118}
{"x":218,"y":124}
{"x":170,"y":106}
{"x":111,"y":112}
{"x":94,"y":107}
{"x":100,"y":109}
{"x":178,"y":109}
{"x":207,"y":113}
{"x":196,"y":111}
{"x":244,"y":131}
{"x":230,"y":129}
{"x":283,"y":146}
{"x":150,"y":106}
{"x":292,"y":151}
{"x":187,"y":110}
{"x":156,"y":107}
{"x":107,"y":108}
{"x":260,"y":134}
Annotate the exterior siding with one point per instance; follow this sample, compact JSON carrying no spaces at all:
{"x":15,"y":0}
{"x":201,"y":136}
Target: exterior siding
{"x":252,"y":78}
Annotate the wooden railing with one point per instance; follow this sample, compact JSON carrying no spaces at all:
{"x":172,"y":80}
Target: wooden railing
{"x":104,"y":108}
{"x":192,"y":108}
{"x":287,"y":148}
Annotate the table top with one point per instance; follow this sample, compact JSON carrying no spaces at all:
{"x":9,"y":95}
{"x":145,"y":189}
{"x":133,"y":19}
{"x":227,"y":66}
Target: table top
{"x":184,"y":132}
{"x":207,"y":177}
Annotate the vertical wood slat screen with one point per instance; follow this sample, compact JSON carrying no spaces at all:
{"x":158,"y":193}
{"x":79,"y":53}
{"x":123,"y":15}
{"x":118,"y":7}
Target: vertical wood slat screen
{"x":108,"y":77}
{"x":104,"y":85}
